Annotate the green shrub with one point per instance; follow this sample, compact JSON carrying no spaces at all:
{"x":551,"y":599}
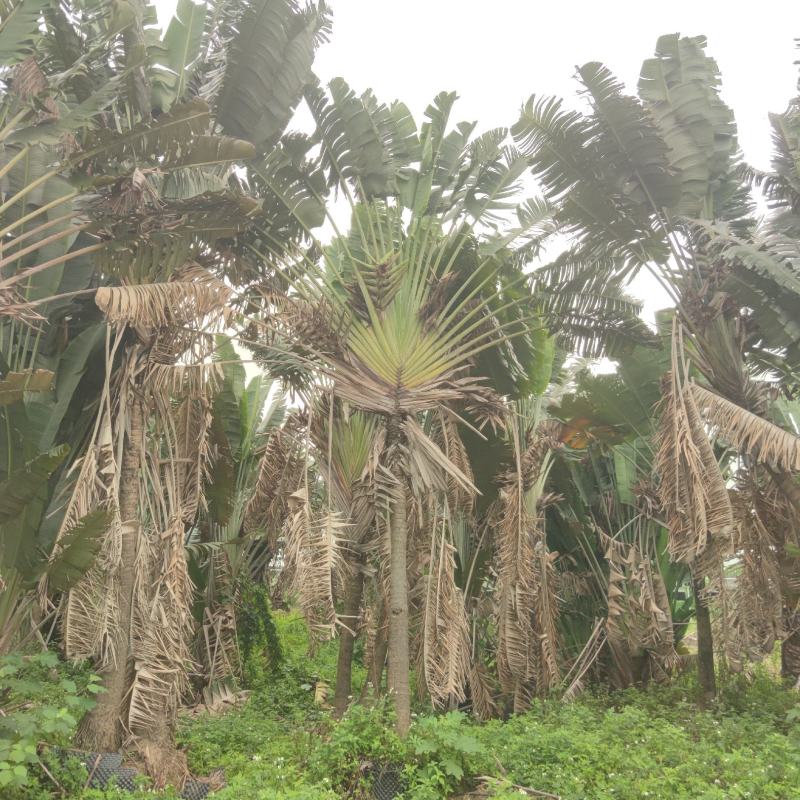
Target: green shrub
{"x":259,"y":643}
{"x":445,"y":752}
{"x":43,"y":699}
{"x":362,"y":742}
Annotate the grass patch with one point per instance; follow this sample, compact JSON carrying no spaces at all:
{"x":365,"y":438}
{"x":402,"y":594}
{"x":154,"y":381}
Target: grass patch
{"x":629,"y":745}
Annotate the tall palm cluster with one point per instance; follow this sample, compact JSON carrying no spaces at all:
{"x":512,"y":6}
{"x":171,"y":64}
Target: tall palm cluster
{"x":423,"y":458}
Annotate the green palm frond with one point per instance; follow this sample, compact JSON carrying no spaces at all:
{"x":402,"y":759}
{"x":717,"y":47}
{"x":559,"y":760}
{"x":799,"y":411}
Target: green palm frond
{"x":267,"y":67}
{"x":763,"y":273}
{"x":680,"y":87}
{"x":364,"y":142}
{"x":781,"y":186}
{"x":535,"y":224}
{"x":628,"y":146}
{"x":20,"y":29}
{"x":175,"y":57}
{"x":566,"y":151}
{"x":584,"y":305}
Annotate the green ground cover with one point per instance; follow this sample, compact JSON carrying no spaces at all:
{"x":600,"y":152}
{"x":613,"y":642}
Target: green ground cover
{"x":281,"y":745}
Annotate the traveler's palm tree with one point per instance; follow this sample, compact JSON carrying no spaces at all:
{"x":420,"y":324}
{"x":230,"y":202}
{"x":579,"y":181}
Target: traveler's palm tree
{"x":426,"y":295}
{"x":654,"y":182}
{"x":116,"y":167}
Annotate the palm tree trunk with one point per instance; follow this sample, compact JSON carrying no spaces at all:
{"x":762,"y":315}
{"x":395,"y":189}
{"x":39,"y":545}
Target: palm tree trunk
{"x":351,"y":605}
{"x":163,"y":762}
{"x":705,"y":642}
{"x":102,"y":729}
{"x":790,"y":645}
{"x":398,"y":607}
{"x":378,"y":662}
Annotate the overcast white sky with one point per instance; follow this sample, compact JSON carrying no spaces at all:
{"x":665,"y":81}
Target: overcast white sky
{"x":496,"y":54}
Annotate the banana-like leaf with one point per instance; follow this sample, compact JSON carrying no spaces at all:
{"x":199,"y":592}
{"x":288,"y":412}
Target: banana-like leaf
{"x":175,"y":56}
{"x":183,"y":184}
{"x":207,"y":151}
{"x":76,"y":550}
{"x":269,"y":63}
{"x":680,"y":86}
{"x":21,"y":486}
{"x":631,"y":146}
{"x":33,"y":181}
{"x":20,"y":29}
{"x":72,"y":366}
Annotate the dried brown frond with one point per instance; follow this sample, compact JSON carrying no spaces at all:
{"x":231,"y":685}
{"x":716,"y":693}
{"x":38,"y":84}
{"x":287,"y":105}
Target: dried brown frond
{"x":313,"y":553}
{"x":573,"y":584}
{"x":14,"y":306}
{"x":220,"y":647}
{"x":487,"y":407}
{"x":693,"y":493}
{"x":192,"y":459}
{"x":756,"y":600}
{"x":186,"y":380}
{"x":359,"y":385}
{"x":162,"y":628}
{"x":188,"y":300}
{"x":176,"y":467}
{"x":28,"y":82}
{"x":574,"y":680}
{"x":132,"y":194}
{"x":748,"y":433}
{"x":481,"y":692}
{"x":27,"y":79}
{"x":448,"y":440}
{"x":280,"y":472}
{"x":639,"y":619}
{"x":430,"y":469}
{"x":446,"y":641}
{"x":527,"y":649}
{"x":311,"y":325}
{"x":92,"y":606}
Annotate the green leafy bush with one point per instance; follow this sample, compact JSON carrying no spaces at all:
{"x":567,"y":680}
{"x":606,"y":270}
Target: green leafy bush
{"x":445,"y":752}
{"x":644,"y":744}
{"x":259,"y":642}
{"x":356,"y":747}
{"x":43,"y":699}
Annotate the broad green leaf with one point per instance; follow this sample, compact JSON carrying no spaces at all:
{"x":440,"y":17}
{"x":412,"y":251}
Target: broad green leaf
{"x":23,"y":485}
{"x":20,"y":29}
{"x":176,"y":55}
{"x":72,"y":365}
{"x":77,"y":549}
{"x":269,"y":63}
